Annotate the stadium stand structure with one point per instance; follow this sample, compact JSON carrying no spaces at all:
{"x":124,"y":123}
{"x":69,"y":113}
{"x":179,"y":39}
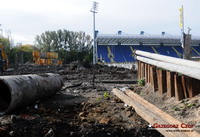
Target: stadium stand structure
{"x":119,"y":48}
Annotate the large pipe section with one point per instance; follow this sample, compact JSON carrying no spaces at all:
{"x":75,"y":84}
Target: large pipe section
{"x":191,"y":72}
{"x":18,"y":91}
{"x":177,"y":61}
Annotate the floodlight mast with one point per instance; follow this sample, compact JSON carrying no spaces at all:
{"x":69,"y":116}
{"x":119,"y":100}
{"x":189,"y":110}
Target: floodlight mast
{"x":94,"y":10}
{"x":182,"y":26}
{"x":1,"y":31}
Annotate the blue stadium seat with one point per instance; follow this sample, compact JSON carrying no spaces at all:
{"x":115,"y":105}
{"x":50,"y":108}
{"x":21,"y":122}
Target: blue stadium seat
{"x":179,"y":49}
{"x":102,"y":51}
{"x":167,"y":51}
{"x":143,"y":48}
{"x":126,"y":51}
{"x":118,"y":55}
{"x":123,"y":53}
{"x":194,"y":50}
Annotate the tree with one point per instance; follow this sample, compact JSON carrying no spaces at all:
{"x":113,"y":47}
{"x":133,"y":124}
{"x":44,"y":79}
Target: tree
{"x":20,"y":51}
{"x":6,"y":43}
{"x":69,"y":45}
{"x":24,"y":51}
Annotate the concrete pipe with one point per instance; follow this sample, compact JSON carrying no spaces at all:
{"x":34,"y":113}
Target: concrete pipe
{"x":18,"y":91}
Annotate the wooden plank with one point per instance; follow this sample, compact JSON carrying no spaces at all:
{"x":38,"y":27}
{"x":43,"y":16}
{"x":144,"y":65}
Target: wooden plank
{"x":162,"y":84}
{"x":149,"y":73}
{"x":170,"y":84}
{"x":143,"y":77}
{"x":146,"y":114}
{"x":178,"y":87}
{"x":146,"y":73}
{"x":154,"y":81}
{"x":142,"y":70}
{"x":185,"y":91}
{"x":163,"y":115}
{"x":189,"y":86}
{"x":139,"y":70}
{"x":193,"y":86}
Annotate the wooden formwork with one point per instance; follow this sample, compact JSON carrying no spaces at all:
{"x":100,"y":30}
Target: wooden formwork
{"x":153,"y":78}
{"x":153,"y":114}
{"x":161,"y":79}
{"x":172,"y":83}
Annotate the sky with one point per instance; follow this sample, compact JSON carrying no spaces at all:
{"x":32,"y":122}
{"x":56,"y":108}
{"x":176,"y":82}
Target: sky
{"x":24,"y":19}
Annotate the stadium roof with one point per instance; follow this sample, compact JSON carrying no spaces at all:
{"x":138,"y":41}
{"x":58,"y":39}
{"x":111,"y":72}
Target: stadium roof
{"x":145,"y":39}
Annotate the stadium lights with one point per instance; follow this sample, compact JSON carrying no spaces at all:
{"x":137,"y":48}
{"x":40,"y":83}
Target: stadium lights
{"x":94,"y":10}
{"x":1,"y":31}
{"x":94,"y":7}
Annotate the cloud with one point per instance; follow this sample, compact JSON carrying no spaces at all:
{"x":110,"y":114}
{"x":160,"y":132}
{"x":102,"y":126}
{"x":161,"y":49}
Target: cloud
{"x":28,"y":18}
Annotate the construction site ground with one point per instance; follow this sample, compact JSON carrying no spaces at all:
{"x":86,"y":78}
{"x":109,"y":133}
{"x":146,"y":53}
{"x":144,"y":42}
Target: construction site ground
{"x":186,"y":111}
{"x":84,"y":107}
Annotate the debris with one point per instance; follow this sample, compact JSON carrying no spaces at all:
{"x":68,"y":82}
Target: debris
{"x":27,"y":117}
{"x":71,"y":133}
{"x":36,"y":106}
{"x":3,"y":128}
{"x":13,"y":118}
{"x":83,"y":119}
{"x":11,"y":133}
{"x":104,"y":121}
{"x":123,"y":89}
{"x":76,"y":91}
{"x":50,"y":133}
{"x":72,"y":86}
{"x":128,"y":113}
{"x":82,"y":114}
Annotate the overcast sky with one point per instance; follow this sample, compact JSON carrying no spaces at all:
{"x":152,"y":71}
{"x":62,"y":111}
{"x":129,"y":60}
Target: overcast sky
{"x":27,"y":18}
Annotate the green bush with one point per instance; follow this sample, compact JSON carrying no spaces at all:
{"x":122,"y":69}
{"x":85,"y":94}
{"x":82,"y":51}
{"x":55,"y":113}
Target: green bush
{"x":141,"y":82}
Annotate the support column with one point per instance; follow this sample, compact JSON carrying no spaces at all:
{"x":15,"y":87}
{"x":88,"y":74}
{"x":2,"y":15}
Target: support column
{"x":154,"y":81}
{"x":170,"y":84}
{"x":178,"y":87}
{"x":139,"y":70}
{"x":193,"y":86}
{"x":161,"y":75}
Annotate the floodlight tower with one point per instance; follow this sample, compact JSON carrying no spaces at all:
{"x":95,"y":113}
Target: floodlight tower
{"x":94,"y":10}
{"x":1,"y":31}
{"x":182,"y":26}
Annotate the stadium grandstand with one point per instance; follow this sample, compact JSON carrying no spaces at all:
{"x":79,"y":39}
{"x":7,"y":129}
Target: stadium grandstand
{"x":119,"y":48}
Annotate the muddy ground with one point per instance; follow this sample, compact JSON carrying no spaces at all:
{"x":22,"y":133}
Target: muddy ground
{"x":84,"y":107}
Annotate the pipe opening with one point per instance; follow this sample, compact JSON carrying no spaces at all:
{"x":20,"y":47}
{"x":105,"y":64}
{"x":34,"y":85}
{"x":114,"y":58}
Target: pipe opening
{"x":5,"y":97}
